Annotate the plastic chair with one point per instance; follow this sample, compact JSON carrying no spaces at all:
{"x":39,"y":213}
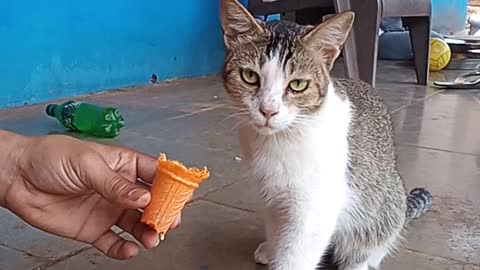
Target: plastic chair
{"x":416,"y":16}
{"x":363,"y":64}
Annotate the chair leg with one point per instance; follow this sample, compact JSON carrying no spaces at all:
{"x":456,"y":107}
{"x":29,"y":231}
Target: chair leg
{"x":420,"y":39}
{"x":349,"y":49}
{"x":361,"y":48}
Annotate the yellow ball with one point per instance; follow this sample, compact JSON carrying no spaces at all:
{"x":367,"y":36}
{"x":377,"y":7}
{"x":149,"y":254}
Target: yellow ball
{"x":440,"y":54}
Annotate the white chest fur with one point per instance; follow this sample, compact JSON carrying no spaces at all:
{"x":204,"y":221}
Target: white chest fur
{"x":309,"y":162}
{"x":302,"y":179}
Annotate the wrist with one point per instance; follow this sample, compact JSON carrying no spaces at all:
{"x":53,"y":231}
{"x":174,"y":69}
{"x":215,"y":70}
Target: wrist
{"x":12,"y":147}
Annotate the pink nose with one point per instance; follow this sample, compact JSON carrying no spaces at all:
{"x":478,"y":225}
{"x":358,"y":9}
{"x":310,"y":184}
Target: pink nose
{"x":268,"y":112}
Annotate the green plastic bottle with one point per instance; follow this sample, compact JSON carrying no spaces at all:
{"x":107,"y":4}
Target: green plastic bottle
{"x":103,"y":122}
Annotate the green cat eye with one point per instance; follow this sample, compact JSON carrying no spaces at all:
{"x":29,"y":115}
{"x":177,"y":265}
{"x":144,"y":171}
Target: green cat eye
{"x":249,"y":76}
{"x":298,"y":85}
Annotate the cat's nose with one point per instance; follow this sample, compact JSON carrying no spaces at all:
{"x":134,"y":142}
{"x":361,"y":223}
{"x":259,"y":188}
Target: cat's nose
{"x":268,"y":112}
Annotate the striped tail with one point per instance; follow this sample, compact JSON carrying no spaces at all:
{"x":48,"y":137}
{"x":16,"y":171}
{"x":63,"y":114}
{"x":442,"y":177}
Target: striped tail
{"x":419,"y":201}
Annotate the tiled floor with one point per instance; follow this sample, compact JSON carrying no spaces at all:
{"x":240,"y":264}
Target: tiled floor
{"x":438,"y":147}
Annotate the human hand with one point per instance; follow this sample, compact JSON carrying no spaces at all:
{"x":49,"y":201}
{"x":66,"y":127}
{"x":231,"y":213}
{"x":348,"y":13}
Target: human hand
{"x":79,"y":190}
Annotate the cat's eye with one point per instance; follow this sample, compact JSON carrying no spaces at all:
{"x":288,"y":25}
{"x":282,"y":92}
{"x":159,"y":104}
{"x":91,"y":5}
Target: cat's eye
{"x":249,"y":76}
{"x":298,"y":85}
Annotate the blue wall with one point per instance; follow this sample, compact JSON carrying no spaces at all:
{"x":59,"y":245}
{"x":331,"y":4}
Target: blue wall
{"x":73,"y":47}
{"x":449,"y":16}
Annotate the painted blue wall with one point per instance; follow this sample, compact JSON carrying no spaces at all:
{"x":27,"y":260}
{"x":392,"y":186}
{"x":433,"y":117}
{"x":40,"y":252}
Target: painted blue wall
{"x":72,"y":47}
{"x":449,"y":16}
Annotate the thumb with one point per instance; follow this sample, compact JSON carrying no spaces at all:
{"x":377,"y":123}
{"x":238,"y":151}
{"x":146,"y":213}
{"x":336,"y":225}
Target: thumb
{"x":117,"y":189}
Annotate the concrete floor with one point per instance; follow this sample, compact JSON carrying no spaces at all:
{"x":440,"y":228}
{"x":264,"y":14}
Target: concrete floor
{"x":438,"y":147}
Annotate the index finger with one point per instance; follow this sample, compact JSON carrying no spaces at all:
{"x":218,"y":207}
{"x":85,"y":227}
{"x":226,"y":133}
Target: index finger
{"x":146,"y":166}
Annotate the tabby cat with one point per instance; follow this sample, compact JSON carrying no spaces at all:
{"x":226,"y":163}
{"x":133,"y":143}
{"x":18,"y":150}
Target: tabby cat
{"x":321,"y":149}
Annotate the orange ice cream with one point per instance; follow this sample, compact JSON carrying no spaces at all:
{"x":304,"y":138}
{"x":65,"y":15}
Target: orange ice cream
{"x":172,"y":187}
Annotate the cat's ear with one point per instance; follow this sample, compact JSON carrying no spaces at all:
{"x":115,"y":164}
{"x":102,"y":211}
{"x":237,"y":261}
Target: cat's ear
{"x":237,"y":23}
{"x":328,"y":38}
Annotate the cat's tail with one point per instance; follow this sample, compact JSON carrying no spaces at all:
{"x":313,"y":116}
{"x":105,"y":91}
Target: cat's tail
{"x":419,"y":201}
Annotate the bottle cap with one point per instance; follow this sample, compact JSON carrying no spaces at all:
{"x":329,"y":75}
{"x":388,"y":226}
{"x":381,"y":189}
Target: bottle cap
{"x":50,"y":110}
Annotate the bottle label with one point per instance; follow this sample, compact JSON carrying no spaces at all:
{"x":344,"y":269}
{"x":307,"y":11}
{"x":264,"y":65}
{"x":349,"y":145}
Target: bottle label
{"x":68,"y":113}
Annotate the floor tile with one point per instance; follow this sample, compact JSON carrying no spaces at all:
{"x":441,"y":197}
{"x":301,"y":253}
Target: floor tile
{"x":204,"y":242}
{"x":222,"y":164}
{"x":417,"y":261}
{"x":444,"y":173}
{"x":446,"y":121}
{"x":450,"y":230}
{"x":214,"y":129}
{"x":18,"y":236}
{"x":191,"y":121}
{"x":242,"y":194}
{"x":11,"y":259}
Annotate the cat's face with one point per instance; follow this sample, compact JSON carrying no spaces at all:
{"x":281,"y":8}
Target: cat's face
{"x":277,"y":74}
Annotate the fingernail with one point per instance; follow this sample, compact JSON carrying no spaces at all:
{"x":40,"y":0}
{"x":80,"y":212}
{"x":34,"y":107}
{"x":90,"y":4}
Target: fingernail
{"x":157,"y":243}
{"x":139,"y":195}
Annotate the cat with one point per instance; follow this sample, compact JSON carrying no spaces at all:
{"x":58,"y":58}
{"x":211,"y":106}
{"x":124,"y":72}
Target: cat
{"x":320,"y":149}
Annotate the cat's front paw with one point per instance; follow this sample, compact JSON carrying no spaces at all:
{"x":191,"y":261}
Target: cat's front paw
{"x":261,"y":254}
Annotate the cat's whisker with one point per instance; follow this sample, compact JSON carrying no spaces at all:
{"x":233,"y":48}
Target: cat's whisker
{"x":305,"y":121}
{"x":240,"y":122}
{"x":303,"y":124}
{"x":293,"y":133}
{"x":236,"y":107}
{"x":291,"y":130}
{"x":274,"y":139}
{"x":305,"y":118}
{"x":236,"y":125}
{"x":234,"y":115}
{"x":286,"y":132}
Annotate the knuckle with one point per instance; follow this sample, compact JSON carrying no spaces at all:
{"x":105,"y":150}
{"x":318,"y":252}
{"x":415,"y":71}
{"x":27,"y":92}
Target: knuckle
{"x":114,"y":186}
